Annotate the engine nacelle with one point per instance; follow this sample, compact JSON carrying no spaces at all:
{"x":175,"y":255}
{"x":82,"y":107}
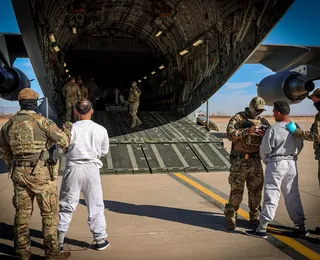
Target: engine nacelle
{"x":12,"y":81}
{"x":287,"y":85}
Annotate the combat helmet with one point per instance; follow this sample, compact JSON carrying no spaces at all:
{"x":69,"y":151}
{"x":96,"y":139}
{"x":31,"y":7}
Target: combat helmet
{"x":27,"y":93}
{"x":257,"y":105}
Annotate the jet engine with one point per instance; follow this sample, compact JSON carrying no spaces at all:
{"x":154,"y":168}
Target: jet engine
{"x":12,"y":81}
{"x":287,"y":85}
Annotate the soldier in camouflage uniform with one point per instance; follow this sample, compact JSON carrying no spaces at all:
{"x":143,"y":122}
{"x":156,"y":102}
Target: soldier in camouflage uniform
{"x":93,"y":92}
{"x":314,"y":133}
{"x":72,"y":95}
{"x":134,"y":101}
{"x":83,"y":89}
{"x":24,"y":143}
{"x":245,"y":130}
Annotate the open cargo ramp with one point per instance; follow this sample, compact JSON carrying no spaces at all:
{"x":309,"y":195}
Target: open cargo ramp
{"x":162,"y":143}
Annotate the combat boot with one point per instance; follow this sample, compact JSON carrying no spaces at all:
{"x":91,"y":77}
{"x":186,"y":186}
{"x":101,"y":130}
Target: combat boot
{"x":231,"y":217}
{"x":138,"y":122}
{"x":133,"y":125}
{"x":231,"y":223}
{"x":57,"y":255}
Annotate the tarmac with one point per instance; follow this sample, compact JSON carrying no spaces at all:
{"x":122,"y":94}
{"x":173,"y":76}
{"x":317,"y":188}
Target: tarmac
{"x":177,"y":216}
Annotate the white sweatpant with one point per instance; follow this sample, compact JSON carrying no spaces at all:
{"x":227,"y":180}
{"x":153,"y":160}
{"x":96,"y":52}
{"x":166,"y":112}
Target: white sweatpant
{"x":282,"y":176}
{"x":83,"y":178}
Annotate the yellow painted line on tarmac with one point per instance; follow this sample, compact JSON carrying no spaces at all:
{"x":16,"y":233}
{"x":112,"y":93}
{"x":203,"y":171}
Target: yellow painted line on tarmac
{"x":302,"y":249}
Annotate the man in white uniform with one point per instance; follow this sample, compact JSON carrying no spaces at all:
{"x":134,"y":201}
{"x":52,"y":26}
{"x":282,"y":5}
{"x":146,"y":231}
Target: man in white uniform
{"x":89,"y":141}
{"x":279,"y":151}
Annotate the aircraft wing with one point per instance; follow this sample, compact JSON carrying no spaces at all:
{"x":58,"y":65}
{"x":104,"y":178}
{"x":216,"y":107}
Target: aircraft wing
{"x":11,"y":47}
{"x":282,"y":57}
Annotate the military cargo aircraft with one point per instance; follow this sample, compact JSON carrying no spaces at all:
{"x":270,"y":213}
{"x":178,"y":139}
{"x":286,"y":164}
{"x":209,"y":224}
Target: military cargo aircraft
{"x":180,"y":53}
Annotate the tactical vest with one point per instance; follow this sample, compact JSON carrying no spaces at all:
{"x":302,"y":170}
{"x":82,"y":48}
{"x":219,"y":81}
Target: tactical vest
{"x":83,"y":92}
{"x":134,"y":95}
{"x":26,"y":138}
{"x":250,"y":140}
{"x":72,"y":90}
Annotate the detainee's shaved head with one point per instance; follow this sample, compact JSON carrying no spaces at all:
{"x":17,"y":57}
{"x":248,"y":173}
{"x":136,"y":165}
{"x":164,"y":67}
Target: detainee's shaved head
{"x":282,"y":107}
{"x":83,"y":106}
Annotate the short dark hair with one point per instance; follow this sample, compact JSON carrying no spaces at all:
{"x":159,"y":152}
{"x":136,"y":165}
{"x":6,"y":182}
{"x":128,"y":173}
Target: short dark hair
{"x":83,"y":106}
{"x":282,"y":106}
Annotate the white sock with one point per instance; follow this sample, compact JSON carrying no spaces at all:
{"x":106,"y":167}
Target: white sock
{"x":61,"y":236}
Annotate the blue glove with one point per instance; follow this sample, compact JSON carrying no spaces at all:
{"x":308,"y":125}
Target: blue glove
{"x":291,"y":127}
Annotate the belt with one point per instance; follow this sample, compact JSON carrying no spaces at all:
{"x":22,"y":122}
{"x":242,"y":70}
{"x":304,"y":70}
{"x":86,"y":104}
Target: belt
{"x":244,"y":155}
{"x":27,"y":163}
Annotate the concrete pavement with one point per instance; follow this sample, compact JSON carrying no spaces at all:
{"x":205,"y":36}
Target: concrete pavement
{"x":173,"y":216}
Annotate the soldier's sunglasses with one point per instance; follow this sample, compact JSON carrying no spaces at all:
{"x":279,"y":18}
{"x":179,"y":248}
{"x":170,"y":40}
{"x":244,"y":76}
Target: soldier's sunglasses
{"x":259,"y":110}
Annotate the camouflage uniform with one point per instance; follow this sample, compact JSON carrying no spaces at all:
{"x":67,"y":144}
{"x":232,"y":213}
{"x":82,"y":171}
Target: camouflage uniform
{"x":83,"y":92}
{"x":134,"y":102}
{"x":72,"y":95}
{"x":22,"y":139}
{"x":82,"y":88}
{"x":245,"y":162}
{"x":313,"y":134}
{"x":93,"y":92}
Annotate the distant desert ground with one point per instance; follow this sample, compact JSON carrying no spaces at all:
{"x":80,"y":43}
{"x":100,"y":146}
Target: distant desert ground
{"x":270,"y":118}
{"x":3,"y":120}
{"x":222,"y":121}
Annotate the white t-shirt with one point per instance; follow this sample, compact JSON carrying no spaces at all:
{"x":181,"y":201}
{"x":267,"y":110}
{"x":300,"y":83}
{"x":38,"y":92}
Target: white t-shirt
{"x":89,"y":142}
{"x":279,"y":144}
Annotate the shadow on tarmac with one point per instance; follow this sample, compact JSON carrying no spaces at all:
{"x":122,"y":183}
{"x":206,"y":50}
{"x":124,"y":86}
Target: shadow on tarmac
{"x":6,"y":233}
{"x":203,"y":219}
{"x":3,"y":167}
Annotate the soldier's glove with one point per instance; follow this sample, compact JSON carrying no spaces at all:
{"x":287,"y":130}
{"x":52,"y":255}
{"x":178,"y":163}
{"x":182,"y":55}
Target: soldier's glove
{"x":263,"y":127}
{"x":52,"y":161}
{"x":291,"y":127}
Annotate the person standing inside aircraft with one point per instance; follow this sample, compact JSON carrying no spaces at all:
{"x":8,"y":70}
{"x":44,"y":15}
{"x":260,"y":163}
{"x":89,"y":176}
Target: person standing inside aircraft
{"x":83,"y":89}
{"x":93,"y":92}
{"x":279,"y":151}
{"x":245,"y":131}
{"x":72,"y":95}
{"x":24,"y":143}
{"x":314,"y":133}
{"x":134,"y":101}
{"x":89,"y":141}
{"x":122,"y":100}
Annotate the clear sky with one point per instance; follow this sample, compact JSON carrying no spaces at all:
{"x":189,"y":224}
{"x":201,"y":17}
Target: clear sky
{"x":299,"y":26}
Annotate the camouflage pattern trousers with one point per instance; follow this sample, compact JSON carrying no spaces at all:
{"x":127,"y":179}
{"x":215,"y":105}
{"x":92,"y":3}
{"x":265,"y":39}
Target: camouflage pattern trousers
{"x":71,"y":106}
{"x":319,"y":172}
{"x":133,"y":112}
{"x":245,"y":171}
{"x":26,"y":188}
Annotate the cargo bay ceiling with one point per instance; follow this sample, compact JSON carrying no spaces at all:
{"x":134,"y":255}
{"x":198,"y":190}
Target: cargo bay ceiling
{"x":180,"y":51}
